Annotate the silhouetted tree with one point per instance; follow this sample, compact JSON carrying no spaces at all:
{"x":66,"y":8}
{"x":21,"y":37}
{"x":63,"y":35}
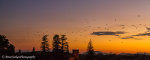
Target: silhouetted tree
{"x":64,"y":44}
{"x":11,"y":49}
{"x":19,"y":52}
{"x":33,"y":51}
{"x":5,"y":46}
{"x":56,"y":44}
{"x":67,"y":47}
{"x":45,"y":45}
{"x":59,"y":47}
{"x":91,"y":54}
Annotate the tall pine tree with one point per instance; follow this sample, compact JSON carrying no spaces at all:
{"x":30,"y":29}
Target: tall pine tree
{"x":64,"y":43}
{"x":44,"y":44}
{"x":60,"y":44}
{"x":56,"y":43}
{"x":91,"y":54}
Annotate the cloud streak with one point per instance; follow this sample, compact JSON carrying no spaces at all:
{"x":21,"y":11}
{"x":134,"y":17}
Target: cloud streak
{"x":108,"y":33}
{"x":147,"y":33}
{"x":148,"y":29}
{"x":142,"y":34}
{"x":130,"y":37}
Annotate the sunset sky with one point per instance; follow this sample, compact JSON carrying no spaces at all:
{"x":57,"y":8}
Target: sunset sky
{"x":117,"y":26}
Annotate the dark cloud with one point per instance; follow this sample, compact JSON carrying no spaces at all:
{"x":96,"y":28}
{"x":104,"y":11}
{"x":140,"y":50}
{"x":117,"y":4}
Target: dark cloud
{"x":148,"y":29}
{"x":147,"y":33}
{"x":130,"y":37}
{"x":127,"y":37}
{"x":117,"y":35}
{"x":108,"y":33}
{"x":142,"y":34}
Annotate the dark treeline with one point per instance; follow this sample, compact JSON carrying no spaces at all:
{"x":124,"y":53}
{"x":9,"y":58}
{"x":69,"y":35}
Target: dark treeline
{"x":60,"y":51}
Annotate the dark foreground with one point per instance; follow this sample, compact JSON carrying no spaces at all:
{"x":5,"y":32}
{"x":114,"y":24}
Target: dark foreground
{"x":74,"y":56}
